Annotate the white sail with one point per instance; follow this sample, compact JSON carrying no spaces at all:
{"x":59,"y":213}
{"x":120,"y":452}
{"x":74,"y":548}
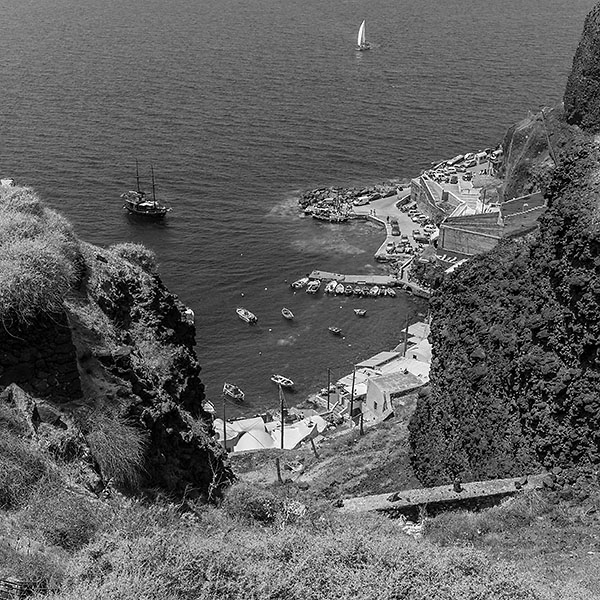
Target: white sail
{"x":361,"y":35}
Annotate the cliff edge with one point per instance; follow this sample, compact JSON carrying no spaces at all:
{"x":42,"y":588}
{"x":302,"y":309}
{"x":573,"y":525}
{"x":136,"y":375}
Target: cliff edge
{"x":97,"y":356}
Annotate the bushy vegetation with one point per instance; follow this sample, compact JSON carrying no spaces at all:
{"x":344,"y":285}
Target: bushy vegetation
{"x":515,"y":337}
{"x":40,"y":260}
{"x":136,"y":254}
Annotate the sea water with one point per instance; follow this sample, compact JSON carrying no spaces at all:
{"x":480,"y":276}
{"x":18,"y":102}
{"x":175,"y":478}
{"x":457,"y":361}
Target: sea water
{"x":240,"y":105}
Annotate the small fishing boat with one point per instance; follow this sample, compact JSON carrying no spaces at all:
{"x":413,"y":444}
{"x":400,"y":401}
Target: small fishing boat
{"x":335,"y":330}
{"x":233,"y":391}
{"x":374,"y":291}
{"x":136,"y":202}
{"x":360,"y":312}
{"x":348,"y":290}
{"x":358,"y":290}
{"x":391,"y":292}
{"x":313,"y":286}
{"x":282,"y":381}
{"x":300,"y":283}
{"x":287,"y":313}
{"x":246,"y":315}
{"x":330,"y":287}
{"x":362,"y":43}
{"x":339,"y":288}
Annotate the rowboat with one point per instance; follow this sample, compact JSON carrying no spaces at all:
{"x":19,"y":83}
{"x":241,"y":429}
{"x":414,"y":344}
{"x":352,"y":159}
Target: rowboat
{"x":287,"y":313}
{"x":233,"y":392}
{"x":246,"y":315}
{"x":282,"y":381}
{"x":360,"y":312}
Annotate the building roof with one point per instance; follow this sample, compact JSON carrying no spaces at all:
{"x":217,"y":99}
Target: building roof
{"x":419,"y":329}
{"x":398,"y":382}
{"x":379,"y":359}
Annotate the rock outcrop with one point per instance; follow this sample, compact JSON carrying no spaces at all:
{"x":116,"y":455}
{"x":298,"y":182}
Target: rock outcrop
{"x":582,"y":95}
{"x":101,"y":344}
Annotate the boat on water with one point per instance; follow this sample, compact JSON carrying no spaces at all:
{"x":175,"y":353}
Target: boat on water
{"x":362,"y":43}
{"x":374,"y":291}
{"x":330,"y":287}
{"x":300,"y":283}
{"x":282,"y":381}
{"x":245,"y":315}
{"x":233,"y":391}
{"x":137,"y":203}
{"x":339,"y":288}
{"x":313,"y":286}
{"x":335,"y":330}
{"x":287,"y":313}
{"x":391,"y":292}
{"x":348,"y":290}
{"x":358,"y":291}
{"x":360,"y":312}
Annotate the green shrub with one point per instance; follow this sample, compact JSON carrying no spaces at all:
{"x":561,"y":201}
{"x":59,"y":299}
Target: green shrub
{"x":251,"y":503}
{"x":136,"y":254}
{"x":118,"y":447}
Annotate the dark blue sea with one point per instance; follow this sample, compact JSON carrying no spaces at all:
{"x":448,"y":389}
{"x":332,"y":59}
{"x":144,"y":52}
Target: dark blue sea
{"x":240,"y":105}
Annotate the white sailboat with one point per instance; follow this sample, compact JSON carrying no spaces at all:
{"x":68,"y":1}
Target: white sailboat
{"x":362,"y":43}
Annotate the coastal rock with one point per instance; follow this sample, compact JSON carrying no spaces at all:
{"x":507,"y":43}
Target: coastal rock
{"x":582,"y":94}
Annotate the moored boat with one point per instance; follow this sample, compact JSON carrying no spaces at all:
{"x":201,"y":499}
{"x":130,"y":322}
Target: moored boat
{"x":357,"y":290}
{"x":330,"y":287}
{"x":282,"y":381}
{"x":335,"y":330}
{"x":287,"y":313}
{"x":245,"y":315}
{"x":137,"y":203}
{"x":360,"y":312}
{"x":313,"y":286}
{"x":233,"y":392}
{"x":300,"y":283}
{"x":339,"y":288}
{"x":348,"y":290}
{"x":374,"y":291}
{"x":391,"y":292}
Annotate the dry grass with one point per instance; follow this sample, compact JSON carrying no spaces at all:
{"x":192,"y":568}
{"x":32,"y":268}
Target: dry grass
{"x":118,"y":447}
{"x":136,"y":254}
{"x":39,"y":256}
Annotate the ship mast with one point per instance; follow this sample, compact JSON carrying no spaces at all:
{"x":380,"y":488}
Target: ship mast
{"x":137,"y":176}
{"x":153,"y":191}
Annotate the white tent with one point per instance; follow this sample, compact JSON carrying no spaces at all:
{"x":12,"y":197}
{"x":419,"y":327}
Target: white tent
{"x":254,"y":440}
{"x":295,"y":434}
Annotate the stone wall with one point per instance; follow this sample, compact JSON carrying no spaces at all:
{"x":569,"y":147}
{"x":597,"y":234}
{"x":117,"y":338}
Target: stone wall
{"x":40,"y":357}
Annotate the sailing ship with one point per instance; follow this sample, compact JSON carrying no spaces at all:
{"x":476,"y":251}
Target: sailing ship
{"x":362,"y":43}
{"x":136,"y":202}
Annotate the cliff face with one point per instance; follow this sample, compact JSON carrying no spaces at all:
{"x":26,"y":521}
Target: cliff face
{"x":105,"y":351}
{"x":516,"y":337}
{"x":582,"y":95}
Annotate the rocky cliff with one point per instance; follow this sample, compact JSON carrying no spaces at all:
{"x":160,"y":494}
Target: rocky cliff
{"x":105,"y":354}
{"x":516,"y":333}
